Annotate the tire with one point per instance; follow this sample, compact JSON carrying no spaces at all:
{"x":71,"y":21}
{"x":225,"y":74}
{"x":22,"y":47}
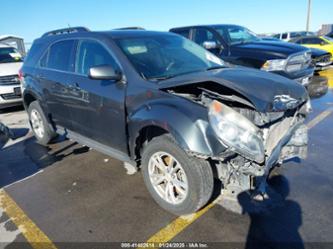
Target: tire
{"x":41,"y":128}
{"x":197,"y":173}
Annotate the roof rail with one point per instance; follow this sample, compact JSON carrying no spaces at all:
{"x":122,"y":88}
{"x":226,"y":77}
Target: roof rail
{"x":66,"y":31}
{"x":129,"y":28}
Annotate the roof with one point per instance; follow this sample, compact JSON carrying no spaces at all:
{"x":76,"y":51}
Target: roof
{"x":132,"y":33}
{"x":208,"y":25}
{"x":3,"y":37}
{"x":113,"y":34}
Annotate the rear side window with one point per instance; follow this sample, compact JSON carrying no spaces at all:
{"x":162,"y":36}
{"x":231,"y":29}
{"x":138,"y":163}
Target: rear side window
{"x":59,"y":56}
{"x":312,"y":41}
{"x":284,"y":36}
{"x":90,"y":54}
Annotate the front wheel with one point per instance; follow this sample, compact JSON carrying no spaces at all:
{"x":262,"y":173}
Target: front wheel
{"x":179,"y":183}
{"x":39,"y":124}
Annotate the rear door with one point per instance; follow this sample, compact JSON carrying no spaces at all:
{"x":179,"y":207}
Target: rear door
{"x":54,"y":71}
{"x":98,"y":106}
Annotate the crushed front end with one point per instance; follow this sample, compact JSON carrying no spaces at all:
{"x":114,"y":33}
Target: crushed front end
{"x":255,"y":142}
{"x":273,"y":137}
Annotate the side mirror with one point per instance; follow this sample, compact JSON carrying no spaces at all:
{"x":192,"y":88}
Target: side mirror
{"x":210,"y":45}
{"x":322,"y":43}
{"x":104,"y":72}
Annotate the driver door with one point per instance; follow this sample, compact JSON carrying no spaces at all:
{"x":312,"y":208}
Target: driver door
{"x":98,"y":106}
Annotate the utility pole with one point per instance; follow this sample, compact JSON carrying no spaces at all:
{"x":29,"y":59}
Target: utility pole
{"x":308,"y":16}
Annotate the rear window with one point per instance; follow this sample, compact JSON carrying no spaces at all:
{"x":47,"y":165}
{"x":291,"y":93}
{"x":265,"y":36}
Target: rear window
{"x":59,"y":56}
{"x":9,"y":55}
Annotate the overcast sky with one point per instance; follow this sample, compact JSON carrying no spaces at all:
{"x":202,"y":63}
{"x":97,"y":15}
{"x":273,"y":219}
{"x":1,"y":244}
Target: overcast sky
{"x":31,"y":18}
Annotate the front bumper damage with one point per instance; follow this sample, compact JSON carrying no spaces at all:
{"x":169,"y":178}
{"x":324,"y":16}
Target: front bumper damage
{"x":287,"y":140}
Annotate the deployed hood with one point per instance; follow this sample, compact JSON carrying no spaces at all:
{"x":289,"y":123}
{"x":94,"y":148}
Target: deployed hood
{"x":274,"y":49}
{"x":10,"y":68}
{"x":262,"y":89}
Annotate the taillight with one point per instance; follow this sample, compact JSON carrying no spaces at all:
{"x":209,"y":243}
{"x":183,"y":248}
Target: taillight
{"x":20,"y":75}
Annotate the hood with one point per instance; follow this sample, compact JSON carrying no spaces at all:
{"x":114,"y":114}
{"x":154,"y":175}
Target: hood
{"x":259,"y":87}
{"x":10,"y":68}
{"x":273,"y":49}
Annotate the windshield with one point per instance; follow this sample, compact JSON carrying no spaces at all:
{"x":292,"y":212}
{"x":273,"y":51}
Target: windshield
{"x":328,"y":38}
{"x":9,"y":54}
{"x":236,"y":34}
{"x":164,"y":56}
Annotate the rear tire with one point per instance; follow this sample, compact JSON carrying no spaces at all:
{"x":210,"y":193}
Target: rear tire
{"x":40,"y":126}
{"x":186,"y":182}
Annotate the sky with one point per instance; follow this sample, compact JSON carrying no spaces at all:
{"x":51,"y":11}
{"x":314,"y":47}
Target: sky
{"x":31,"y":18}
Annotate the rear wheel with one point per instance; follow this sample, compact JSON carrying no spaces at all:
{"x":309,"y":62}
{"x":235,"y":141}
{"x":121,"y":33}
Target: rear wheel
{"x":39,"y":124}
{"x":179,"y":183}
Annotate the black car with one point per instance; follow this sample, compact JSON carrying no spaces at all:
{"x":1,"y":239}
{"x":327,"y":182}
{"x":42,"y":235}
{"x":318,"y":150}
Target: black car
{"x":240,"y":46}
{"x":162,"y":103}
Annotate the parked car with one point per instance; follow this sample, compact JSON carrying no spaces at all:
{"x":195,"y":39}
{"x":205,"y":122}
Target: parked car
{"x":164,"y":104}
{"x":286,"y":36}
{"x":10,"y":63}
{"x":321,"y":59}
{"x":240,"y":46}
{"x":320,"y":42}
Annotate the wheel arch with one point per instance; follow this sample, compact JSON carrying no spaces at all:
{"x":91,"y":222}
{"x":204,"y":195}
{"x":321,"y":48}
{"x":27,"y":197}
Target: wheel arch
{"x":191,"y":134}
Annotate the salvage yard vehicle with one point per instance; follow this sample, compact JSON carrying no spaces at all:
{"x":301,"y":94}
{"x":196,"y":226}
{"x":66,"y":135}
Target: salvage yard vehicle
{"x":320,"y":42}
{"x":286,"y":36}
{"x":161,"y":103}
{"x":10,"y":63}
{"x":321,"y":59}
{"x":240,"y":46}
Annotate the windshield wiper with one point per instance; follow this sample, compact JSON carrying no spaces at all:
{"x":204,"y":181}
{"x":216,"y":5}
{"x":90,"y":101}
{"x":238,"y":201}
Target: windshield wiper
{"x":158,"y":78}
{"x":215,"y":67}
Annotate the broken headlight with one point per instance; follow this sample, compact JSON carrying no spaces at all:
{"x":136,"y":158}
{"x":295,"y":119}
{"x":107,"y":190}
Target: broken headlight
{"x":236,"y":131}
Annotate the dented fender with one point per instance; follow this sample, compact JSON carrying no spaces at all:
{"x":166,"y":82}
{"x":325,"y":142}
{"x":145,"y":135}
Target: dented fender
{"x":188,"y":124}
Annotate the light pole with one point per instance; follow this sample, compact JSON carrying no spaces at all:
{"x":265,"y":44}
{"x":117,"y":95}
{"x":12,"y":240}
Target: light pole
{"x":308,"y":16}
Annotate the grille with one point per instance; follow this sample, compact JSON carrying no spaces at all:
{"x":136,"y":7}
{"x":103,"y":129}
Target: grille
{"x":9,"y":96}
{"x":298,"y":61}
{"x":9,"y":80}
{"x":323,"y":59}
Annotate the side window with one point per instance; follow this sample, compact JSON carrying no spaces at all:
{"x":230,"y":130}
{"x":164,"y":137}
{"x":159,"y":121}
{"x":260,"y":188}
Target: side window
{"x":316,"y":41}
{"x":284,"y":36}
{"x":184,"y":32}
{"x":90,"y":54}
{"x":277,"y":36}
{"x":59,"y":56}
{"x":43,"y":60}
{"x":300,"y":41}
{"x":201,"y":35}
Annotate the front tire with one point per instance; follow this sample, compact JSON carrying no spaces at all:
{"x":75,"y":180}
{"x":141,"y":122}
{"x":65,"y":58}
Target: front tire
{"x":179,"y":183}
{"x":39,"y":124}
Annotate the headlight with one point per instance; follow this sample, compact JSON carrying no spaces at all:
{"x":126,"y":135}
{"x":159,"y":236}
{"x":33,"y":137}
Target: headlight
{"x":236,"y":131}
{"x":274,"y":65}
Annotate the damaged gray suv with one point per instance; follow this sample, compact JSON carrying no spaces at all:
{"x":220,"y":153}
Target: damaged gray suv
{"x":165,"y":105}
